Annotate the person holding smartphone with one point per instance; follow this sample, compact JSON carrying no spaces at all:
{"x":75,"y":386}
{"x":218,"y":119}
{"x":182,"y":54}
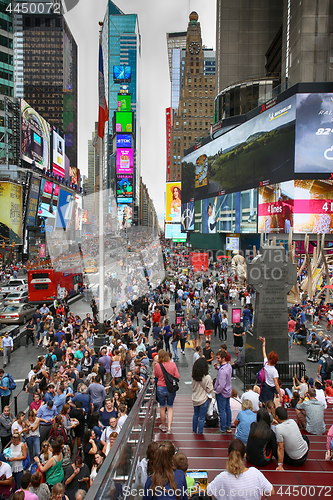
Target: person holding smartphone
{"x":76,"y":478}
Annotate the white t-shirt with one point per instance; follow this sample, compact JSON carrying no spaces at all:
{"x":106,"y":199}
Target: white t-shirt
{"x":121,"y":421}
{"x":253,"y":397}
{"x":5,"y":470}
{"x":250,"y":484}
{"x":271,"y":373}
{"x":320,"y":396}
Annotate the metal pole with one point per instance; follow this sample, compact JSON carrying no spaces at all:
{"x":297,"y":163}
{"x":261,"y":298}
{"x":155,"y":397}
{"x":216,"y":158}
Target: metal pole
{"x":101,"y":241}
{"x":15,"y":404}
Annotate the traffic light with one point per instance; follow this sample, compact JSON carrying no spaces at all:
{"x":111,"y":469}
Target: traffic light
{"x":13,"y":244}
{"x":3,"y":244}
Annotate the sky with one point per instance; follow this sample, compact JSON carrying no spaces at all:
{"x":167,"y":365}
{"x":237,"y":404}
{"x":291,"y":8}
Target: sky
{"x":156,"y":18}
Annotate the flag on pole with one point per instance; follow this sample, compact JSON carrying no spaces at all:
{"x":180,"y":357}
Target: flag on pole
{"x":103,"y":112}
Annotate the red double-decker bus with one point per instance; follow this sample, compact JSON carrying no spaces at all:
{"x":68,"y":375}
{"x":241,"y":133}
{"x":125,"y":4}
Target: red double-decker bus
{"x":45,"y":285}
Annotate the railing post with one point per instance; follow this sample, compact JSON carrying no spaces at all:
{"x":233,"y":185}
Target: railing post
{"x":15,"y":404}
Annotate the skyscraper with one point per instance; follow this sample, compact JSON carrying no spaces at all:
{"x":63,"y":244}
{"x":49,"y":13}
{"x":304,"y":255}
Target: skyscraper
{"x":46,"y":68}
{"x":192,"y":92}
{"x":121,"y":42}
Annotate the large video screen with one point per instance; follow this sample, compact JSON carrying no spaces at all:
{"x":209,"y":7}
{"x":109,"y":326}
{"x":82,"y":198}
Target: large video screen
{"x":65,"y":208}
{"x":124,"y":102}
{"x":35,"y":134}
{"x":187,"y":216}
{"x":125,"y":161}
{"x":260,"y":150}
{"x":122,"y":74}
{"x":314,"y":133}
{"x":228,"y":213}
{"x":124,"y":121}
{"x":125,"y":215}
{"x":124,"y":141}
{"x":173,"y":231}
{"x":276,"y":208}
{"x":10,"y":212}
{"x":173,"y":202}
{"x":33,"y":203}
{"x":304,"y":205}
{"x":58,"y":153}
{"x":48,"y":201}
{"x":124,"y":189}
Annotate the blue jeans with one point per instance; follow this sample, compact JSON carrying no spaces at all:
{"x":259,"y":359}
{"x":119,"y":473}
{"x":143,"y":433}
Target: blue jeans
{"x":17,"y":476}
{"x":174,"y":347}
{"x":165,"y":398}
{"x":246,"y":323}
{"x":33,"y":443}
{"x":199,"y":416}
{"x":223,"y":405}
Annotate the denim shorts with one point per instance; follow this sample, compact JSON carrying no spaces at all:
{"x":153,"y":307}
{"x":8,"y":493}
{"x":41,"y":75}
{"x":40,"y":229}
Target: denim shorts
{"x":165,"y":398}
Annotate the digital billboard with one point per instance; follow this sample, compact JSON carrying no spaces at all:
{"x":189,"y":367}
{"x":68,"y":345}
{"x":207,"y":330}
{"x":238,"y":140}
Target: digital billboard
{"x":187,"y":216}
{"x":35,"y":135}
{"x":124,"y":102}
{"x":65,"y":208}
{"x":124,"y":189}
{"x":124,"y":121}
{"x":173,"y":202}
{"x":58,"y":153}
{"x":125,"y":214}
{"x":314,"y":133}
{"x":276,"y":208}
{"x":33,"y":203}
{"x":313,"y":206}
{"x":261,"y":150}
{"x":125,"y":161}
{"x":173,"y":231}
{"x":122,"y":74}
{"x":124,"y":141}
{"x":48,"y":200}
{"x":10,"y":212}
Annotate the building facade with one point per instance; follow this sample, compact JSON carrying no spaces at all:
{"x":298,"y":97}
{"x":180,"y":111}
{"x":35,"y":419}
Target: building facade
{"x":193,"y":80}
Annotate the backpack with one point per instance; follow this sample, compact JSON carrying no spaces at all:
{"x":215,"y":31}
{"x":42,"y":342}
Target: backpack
{"x":49,"y":361}
{"x":261,"y":376}
{"x":11,"y":383}
{"x":194,"y":327}
{"x":328,"y":366}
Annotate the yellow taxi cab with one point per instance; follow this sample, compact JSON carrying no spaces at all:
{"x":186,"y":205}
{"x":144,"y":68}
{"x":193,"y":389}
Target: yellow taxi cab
{"x":91,"y":266}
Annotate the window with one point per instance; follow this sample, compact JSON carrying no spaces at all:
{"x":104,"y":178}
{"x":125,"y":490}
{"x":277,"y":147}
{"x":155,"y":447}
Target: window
{"x":177,"y":123}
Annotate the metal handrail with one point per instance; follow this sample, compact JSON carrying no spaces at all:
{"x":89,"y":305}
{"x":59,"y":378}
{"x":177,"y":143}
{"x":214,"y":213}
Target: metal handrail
{"x":287,"y":370}
{"x":104,"y":479}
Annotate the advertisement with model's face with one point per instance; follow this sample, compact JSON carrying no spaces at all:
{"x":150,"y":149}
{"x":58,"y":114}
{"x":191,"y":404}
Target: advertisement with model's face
{"x":257,"y":151}
{"x":173,"y":202}
{"x":35,"y":134}
{"x":125,"y":214}
{"x":314,"y":133}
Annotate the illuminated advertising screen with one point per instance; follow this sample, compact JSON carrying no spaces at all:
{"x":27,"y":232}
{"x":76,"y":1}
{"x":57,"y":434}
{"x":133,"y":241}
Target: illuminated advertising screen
{"x":122,"y":74}
{"x":232,"y":243}
{"x":173,"y":231}
{"x":35,"y":135}
{"x":187,"y":216}
{"x":11,"y":212}
{"x":125,"y":161}
{"x":173,"y":202}
{"x":276,"y":208}
{"x":314,"y":133}
{"x":58,"y":153}
{"x":261,"y":150}
{"x":48,"y":200}
{"x":65,"y":208}
{"x":33,"y":203}
{"x":125,"y":214}
{"x":124,"y":102}
{"x":124,"y":189}
{"x":124,"y":141}
{"x":124,"y":121}
{"x":313,"y":206}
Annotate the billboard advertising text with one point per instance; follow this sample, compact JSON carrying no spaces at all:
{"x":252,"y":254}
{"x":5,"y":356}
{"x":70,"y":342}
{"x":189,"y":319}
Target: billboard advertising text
{"x":125,"y":161}
{"x":33,"y":202}
{"x":276,"y":207}
{"x":58,"y":156}
{"x":173,"y":202}
{"x":124,"y":121}
{"x":168,"y":138}
{"x":124,"y":189}
{"x":124,"y":141}
{"x":187,"y":216}
{"x":261,"y":150}
{"x":314,"y":133}
{"x":125,"y":214}
{"x":35,"y":133}
{"x":10,"y":212}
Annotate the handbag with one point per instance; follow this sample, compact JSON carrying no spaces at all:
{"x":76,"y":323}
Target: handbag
{"x":170,"y":381}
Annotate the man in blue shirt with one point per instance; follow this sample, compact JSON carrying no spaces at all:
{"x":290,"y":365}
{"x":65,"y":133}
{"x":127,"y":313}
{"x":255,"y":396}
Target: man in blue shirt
{"x":5,"y":391}
{"x":82,"y":396}
{"x":246,"y":318}
{"x":46,"y":413}
{"x":59,"y":399}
